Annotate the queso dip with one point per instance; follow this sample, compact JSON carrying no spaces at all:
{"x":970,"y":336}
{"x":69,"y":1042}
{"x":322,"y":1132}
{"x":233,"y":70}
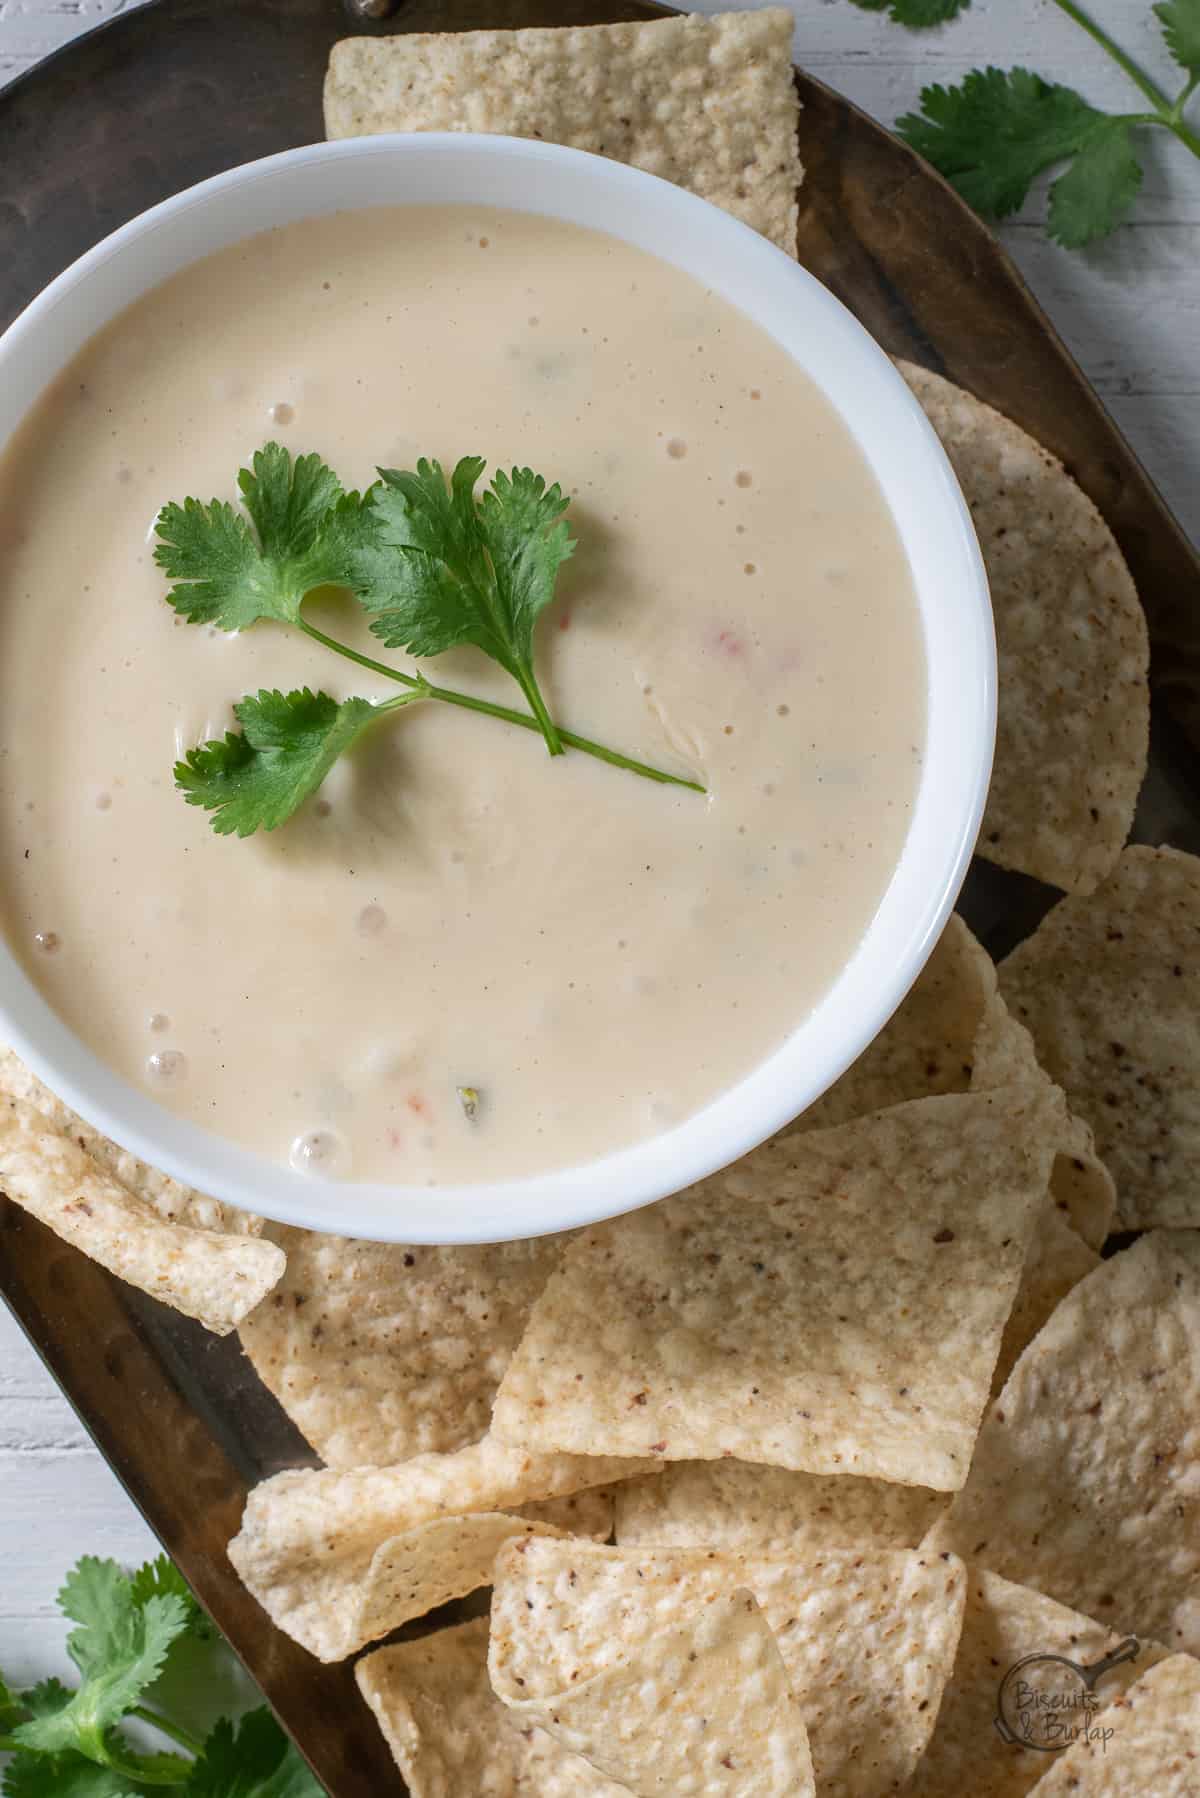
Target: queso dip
{"x":592,"y":955}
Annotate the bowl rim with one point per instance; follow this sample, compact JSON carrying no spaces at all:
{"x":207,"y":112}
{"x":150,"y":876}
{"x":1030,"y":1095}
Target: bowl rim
{"x":955,"y":612}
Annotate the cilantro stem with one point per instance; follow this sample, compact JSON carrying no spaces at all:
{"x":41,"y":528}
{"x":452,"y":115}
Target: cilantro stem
{"x":133,"y":1768}
{"x":1124,"y":61}
{"x":537,"y":706}
{"x":613,"y":757}
{"x":1192,"y":84}
{"x":469,"y":702}
{"x":168,"y":1727}
{"x":1185,"y":134}
{"x":354,"y":655}
{"x":1166,"y":112}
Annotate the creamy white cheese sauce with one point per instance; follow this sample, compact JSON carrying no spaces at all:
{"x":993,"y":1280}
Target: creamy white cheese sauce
{"x":595,"y":955}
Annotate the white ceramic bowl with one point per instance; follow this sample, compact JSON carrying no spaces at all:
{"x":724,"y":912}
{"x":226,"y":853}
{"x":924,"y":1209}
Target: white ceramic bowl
{"x":950,"y":583}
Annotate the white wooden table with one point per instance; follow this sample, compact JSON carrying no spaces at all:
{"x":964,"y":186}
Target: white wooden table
{"x":1130,"y":310}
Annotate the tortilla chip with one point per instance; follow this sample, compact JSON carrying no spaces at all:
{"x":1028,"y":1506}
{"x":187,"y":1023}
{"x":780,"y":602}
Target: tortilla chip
{"x":1055,"y":1261}
{"x":450,"y":1734}
{"x":338,"y":1559}
{"x":927,"y":1046}
{"x":212,"y":1275}
{"x":709,"y":103}
{"x":1154,"y":1748}
{"x":701,"y":1707}
{"x":1073,"y":729}
{"x":590,"y":1513}
{"x":379,"y":1351}
{"x":731,"y":1504}
{"x":1110,"y":989}
{"x":1003,"y":1624}
{"x":832,"y":1303}
{"x":954,"y":1034}
{"x":867,"y":1639}
{"x":1086,"y":1476}
{"x":1073,"y":1221}
{"x":177,"y":1203}
{"x":1081,"y":1187}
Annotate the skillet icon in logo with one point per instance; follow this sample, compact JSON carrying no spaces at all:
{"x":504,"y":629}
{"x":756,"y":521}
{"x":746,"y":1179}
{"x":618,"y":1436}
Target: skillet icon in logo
{"x":1047,"y":1702}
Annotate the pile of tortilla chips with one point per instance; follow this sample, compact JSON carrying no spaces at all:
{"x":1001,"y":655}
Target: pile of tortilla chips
{"x":773,"y":1483}
{"x":857,"y":1468}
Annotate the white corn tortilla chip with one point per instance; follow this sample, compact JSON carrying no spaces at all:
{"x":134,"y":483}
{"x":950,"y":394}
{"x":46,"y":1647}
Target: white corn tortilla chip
{"x":450,"y":1735}
{"x":1110,"y":988}
{"x":338,"y":1559}
{"x":709,"y":103}
{"x":212,"y":1275}
{"x":1081,"y":1187}
{"x":1074,"y":701}
{"x":1055,"y":1261}
{"x":1086,"y":1476}
{"x":833,"y":1303}
{"x":700,"y":1709}
{"x":177,"y":1203}
{"x":927,"y":1046}
{"x":1153,"y":1750}
{"x":732,"y":1504}
{"x":867,"y":1639}
{"x":379,"y":1351}
{"x":588,"y":1513}
{"x":1004,"y":1625}
{"x":953,"y":1034}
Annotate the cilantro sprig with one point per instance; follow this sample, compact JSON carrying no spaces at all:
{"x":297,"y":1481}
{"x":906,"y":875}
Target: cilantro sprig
{"x":433,"y":564}
{"x":994,"y":133}
{"x":68,"y":1743}
{"x":916,"y":13}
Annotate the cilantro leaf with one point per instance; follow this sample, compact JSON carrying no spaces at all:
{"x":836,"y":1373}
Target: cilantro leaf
{"x":1098,"y":189}
{"x":438,"y":579}
{"x":12,"y":1709}
{"x":993,"y":134}
{"x":221,"y":578}
{"x":161,"y":1578}
{"x":65,"y":1776}
{"x":471,"y":571}
{"x":119,"y":1648}
{"x":47,"y":1696}
{"x":288,"y":501}
{"x":916,"y":13}
{"x":307,"y":533}
{"x":256,"y":778}
{"x":1180,"y":20}
{"x":527,"y":542}
{"x":257,"y":1760}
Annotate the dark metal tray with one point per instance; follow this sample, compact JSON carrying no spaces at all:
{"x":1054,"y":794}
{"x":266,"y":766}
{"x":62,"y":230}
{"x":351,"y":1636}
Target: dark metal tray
{"x":164,"y":96}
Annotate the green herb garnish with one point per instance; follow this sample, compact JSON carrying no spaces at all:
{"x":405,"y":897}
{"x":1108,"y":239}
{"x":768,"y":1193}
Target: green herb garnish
{"x":916,"y":13}
{"x":432,"y":563}
{"x":69,"y":1744}
{"x":476,"y":572}
{"x":994,"y":133}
